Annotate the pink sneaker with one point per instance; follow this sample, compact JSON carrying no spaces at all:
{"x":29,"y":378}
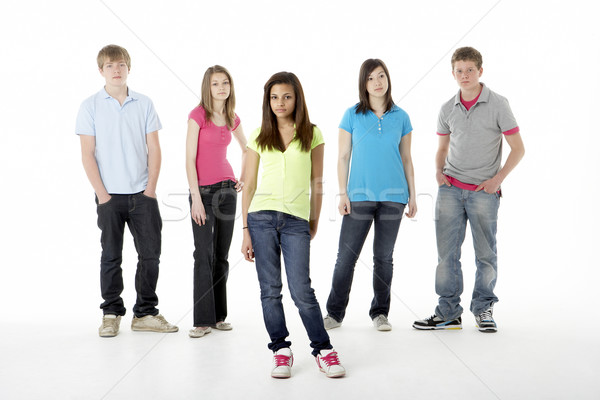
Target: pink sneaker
{"x":282,"y":363}
{"x":330,"y":364}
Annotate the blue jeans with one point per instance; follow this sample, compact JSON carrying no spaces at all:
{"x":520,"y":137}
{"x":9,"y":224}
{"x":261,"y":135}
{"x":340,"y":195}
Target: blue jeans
{"x":211,"y":252}
{"x":454,"y":207}
{"x":272,"y":234}
{"x":355,"y":228}
{"x":142,"y":215}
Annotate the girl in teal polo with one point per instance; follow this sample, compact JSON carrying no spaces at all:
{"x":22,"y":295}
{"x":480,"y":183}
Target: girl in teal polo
{"x":374,"y":190}
{"x":281,"y":217}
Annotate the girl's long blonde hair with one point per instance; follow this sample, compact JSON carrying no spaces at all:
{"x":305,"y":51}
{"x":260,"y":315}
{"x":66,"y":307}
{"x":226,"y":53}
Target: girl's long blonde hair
{"x":206,"y":100}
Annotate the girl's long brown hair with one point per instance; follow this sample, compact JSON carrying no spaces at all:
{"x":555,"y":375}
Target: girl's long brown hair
{"x":366,"y":69}
{"x":269,"y":137}
{"x":206,"y":101}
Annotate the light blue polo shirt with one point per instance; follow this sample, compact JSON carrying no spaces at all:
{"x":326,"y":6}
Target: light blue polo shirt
{"x":120,"y":131}
{"x":376,"y":170}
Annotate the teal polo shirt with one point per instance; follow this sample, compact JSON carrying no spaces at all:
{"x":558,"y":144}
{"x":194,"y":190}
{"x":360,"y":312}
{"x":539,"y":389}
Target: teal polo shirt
{"x":376,"y":170}
{"x":120,"y":131}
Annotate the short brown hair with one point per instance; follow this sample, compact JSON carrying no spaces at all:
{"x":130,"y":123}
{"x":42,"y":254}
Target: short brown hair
{"x":366,"y":69}
{"x":467,"y":54}
{"x":112,"y":52}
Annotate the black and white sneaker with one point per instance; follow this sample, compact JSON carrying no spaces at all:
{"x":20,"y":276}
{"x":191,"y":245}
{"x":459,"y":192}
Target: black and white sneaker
{"x":435,"y":323}
{"x":485,"y":321}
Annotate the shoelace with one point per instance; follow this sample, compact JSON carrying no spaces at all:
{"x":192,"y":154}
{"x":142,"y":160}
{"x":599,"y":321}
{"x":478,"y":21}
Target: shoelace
{"x":331,"y":359}
{"x":282,"y":360}
{"x":486,"y":315}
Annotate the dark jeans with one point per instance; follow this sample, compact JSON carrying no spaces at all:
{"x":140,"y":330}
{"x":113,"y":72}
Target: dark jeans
{"x":142,"y":216}
{"x":211,"y":250}
{"x":355,"y":228}
{"x":272,"y":234}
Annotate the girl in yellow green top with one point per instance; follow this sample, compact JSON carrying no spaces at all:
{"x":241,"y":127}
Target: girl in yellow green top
{"x":282,"y":215}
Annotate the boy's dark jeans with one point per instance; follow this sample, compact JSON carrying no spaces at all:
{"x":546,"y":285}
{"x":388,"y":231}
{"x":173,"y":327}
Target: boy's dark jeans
{"x":142,"y":216}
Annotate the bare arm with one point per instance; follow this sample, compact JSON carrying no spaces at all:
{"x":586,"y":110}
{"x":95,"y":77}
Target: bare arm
{"x":90,"y":165}
{"x":343,"y":166}
{"x":316,"y":187}
{"x":517,"y":151}
{"x":251,"y":168}
{"x":197,"y":211}
{"x":154,"y":160}
{"x":191,"y":150}
{"x":238,"y":133}
{"x":409,"y":172}
{"x":440,"y":160}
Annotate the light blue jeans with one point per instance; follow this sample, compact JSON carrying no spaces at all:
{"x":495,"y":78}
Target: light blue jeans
{"x":454,"y":207}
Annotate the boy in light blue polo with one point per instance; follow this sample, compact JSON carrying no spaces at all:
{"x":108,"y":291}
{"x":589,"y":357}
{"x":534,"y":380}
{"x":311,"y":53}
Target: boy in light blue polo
{"x":118,"y":129}
{"x":471,"y":128}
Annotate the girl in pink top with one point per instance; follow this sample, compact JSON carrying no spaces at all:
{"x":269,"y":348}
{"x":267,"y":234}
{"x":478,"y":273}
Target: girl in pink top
{"x":213,"y":196}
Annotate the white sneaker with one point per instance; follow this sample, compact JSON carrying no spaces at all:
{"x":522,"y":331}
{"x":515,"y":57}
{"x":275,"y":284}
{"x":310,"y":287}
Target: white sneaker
{"x":110,"y":325}
{"x":381,"y":323}
{"x":330,"y":364}
{"x":331,"y":322}
{"x":223,"y":326}
{"x":198,"y":332}
{"x":152,"y":323}
{"x":282,"y":363}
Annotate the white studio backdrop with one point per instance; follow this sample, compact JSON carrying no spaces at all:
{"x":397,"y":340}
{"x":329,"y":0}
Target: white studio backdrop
{"x":542,"y":56}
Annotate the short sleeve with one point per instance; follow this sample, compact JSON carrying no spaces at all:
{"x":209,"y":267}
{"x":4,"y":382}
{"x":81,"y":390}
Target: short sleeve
{"x":236,"y":122}
{"x":252,"y":145}
{"x":506,"y":120}
{"x":347,"y":122}
{"x":198,"y":115}
{"x":84,"y":124}
{"x":442,"y":125}
{"x":407,"y":126}
{"x":317,"y":138}
{"x":152,"y":121}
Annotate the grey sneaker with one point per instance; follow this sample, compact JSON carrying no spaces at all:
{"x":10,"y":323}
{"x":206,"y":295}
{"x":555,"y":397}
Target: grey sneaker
{"x":331,"y":323}
{"x":485,"y":321}
{"x":110,"y":325}
{"x":223,"y":326}
{"x":198,"y":332}
{"x":381,"y":323}
{"x":152,"y":323}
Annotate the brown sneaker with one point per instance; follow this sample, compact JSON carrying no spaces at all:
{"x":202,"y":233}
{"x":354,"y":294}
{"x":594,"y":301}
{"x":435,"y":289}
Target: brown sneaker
{"x":110,"y":325}
{"x":152,"y":323}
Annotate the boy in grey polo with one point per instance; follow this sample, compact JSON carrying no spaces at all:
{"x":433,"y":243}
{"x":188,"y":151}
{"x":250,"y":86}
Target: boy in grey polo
{"x":118,"y":129}
{"x":471,"y":126}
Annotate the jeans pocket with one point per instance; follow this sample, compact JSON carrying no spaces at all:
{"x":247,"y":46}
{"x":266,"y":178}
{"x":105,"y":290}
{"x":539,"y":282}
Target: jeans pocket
{"x":105,"y":203}
{"x":148,"y":197}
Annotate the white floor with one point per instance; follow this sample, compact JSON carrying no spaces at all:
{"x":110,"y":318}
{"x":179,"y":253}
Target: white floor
{"x":61,"y":359}
{"x":544,"y":349}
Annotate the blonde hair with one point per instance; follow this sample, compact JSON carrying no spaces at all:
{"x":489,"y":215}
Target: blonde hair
{"x":112,"y":52}
{"x":206,"y":99}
